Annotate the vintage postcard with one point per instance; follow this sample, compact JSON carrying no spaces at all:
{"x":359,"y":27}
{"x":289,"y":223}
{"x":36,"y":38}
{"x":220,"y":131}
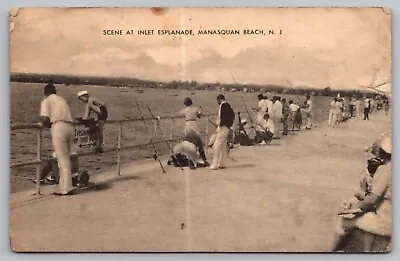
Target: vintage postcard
{"x":200,"y":130}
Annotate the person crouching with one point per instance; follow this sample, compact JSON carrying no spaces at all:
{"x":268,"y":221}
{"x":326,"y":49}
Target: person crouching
{"x":189,"y":147}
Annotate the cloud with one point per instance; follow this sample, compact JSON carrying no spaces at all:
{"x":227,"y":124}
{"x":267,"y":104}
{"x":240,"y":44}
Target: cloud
{"x":337,"y":47}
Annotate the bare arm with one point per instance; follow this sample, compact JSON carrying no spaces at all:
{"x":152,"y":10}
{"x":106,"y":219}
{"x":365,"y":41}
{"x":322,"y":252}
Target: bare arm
{"x":90,"y":106}
{"x":87,"y":111}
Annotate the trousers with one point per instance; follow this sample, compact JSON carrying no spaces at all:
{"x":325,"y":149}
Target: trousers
{"x":366,"y":112}
{"x":330,"y":117}
{"x":277,"y":124}
{"x":335,"y":118}
{"x":62,"y":136}
{"x":220,"y":147}
{"x":309,"y":120}
{"x":263,"y":136}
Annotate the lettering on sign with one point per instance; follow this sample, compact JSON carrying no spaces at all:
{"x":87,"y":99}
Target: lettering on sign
{"x":83,"y":139}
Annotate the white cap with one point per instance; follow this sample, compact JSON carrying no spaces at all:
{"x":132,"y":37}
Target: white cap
{"x":386,"y":144}
{"x":81,"y":93}
{"x":244,"y":121}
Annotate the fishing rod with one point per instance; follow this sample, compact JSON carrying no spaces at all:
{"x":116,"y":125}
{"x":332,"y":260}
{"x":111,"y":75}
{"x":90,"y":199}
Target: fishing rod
{"x":163,"y":136}
{"x":245,"y":106}
{"x":291,"y":87}
{"x":156,"y":155}
{"x":247,"y":110}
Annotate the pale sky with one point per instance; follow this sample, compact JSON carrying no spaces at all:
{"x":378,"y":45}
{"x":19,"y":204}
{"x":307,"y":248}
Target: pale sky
{"x":339,"y":47}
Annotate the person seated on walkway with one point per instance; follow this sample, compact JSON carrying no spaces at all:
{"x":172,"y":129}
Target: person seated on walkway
{"x":264,"y":130}
{"x":242,"y":133}
{"x":371,"y":213}
{"x":50,"y":172}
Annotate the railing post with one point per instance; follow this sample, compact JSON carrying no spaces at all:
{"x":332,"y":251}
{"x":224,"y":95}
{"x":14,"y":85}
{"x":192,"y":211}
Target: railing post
{"x":206,"y":138}
{"x":172,"y":127}
{"x":39,"y":160}
{"x":119,"y":148}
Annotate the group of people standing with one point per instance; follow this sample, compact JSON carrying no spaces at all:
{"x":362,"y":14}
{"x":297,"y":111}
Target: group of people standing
{"x":341,"y":110}
{"x":273,"y":119}
{"x":281,"y":115}
{"x":192,"y":143}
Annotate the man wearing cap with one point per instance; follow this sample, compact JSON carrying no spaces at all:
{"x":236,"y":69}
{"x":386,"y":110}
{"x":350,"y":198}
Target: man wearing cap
{"x":373,"y":211}
{"x":100,"y":109}
{"x":55,"y":113}
{"x":191,"y":113}
{"x":226,"y":117}
{"x":331,"y":112}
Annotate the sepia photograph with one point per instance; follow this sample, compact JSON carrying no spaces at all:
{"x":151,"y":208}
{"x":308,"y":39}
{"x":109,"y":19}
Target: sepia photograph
{"x":250,"y":130}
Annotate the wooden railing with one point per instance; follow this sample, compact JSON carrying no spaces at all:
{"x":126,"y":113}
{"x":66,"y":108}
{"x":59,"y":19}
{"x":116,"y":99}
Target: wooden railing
{"x":118,"y":148}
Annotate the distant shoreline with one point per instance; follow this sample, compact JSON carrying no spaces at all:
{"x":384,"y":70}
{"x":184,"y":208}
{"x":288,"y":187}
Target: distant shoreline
{"x":131,"y":82}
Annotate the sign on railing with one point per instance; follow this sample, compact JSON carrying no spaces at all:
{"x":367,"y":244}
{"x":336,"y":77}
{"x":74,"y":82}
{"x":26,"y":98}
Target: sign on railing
{"x":85,"y":138}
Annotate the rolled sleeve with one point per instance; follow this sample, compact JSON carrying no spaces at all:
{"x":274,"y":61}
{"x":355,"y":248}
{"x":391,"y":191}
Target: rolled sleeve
{"x":44,"y":109}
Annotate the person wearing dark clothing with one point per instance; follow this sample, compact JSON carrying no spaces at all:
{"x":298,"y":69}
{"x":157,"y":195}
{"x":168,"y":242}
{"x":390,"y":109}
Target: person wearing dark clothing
{"x":367,"y":109}
{"x":285,"y":116}
{"x":226,"y":117}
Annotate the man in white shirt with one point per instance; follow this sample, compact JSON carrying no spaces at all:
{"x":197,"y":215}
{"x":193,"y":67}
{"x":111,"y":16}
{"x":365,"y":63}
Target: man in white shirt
{"x":331,"y":112}
{"x":55,"y":113}
{"x":269,"y":105}
{"x":309,"y":112}
{"x":358,"y":107}
{"x":277,"y":116}
{"x":261,"y":108}
{"x":264,"y":106}
{"x":293,"y":110}
{"x":337,"y":112}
